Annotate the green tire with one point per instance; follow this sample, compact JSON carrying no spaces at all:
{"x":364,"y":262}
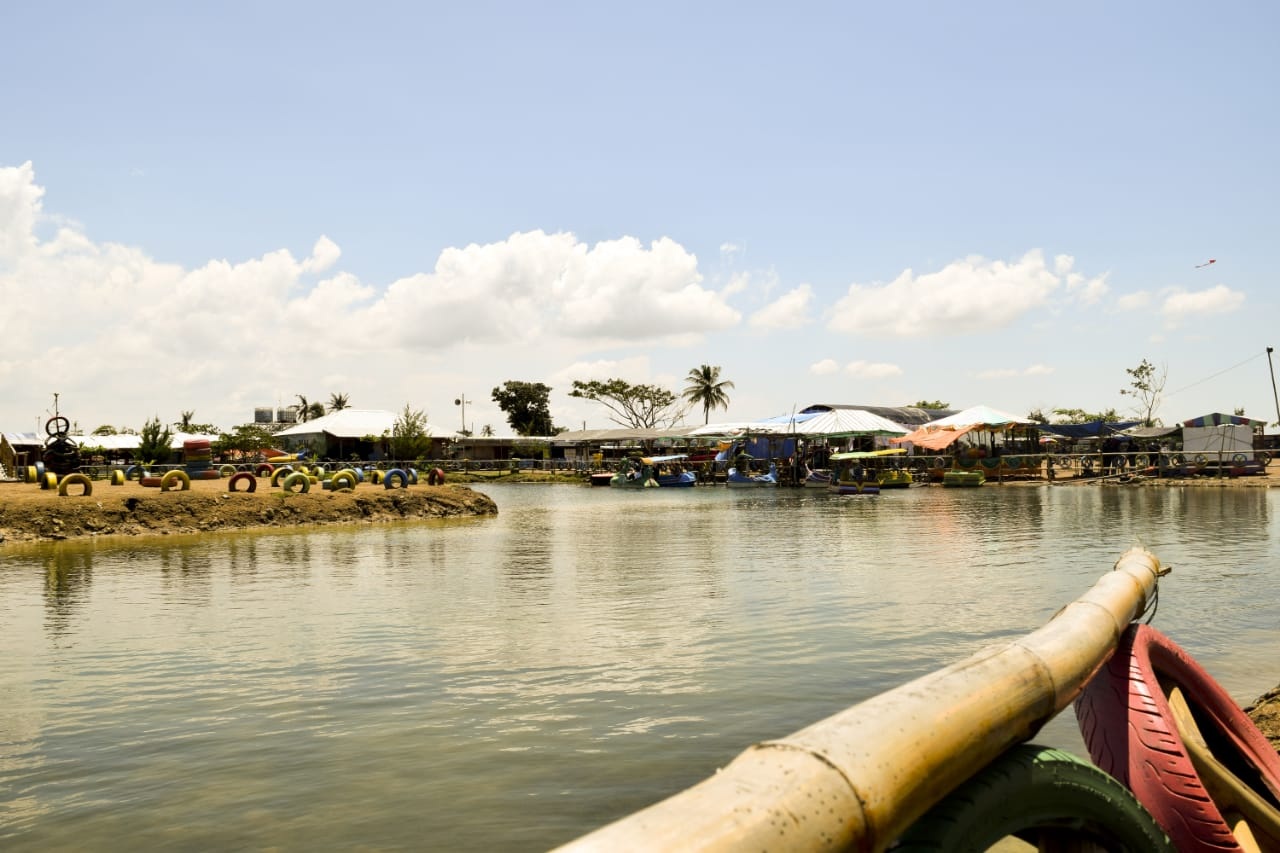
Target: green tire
{"x":298,"y":479}
{"x":1042,"y":796}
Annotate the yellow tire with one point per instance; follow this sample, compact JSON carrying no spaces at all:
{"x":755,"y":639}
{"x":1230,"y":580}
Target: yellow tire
{"x":117,"y":477}
{"x":75,"y":478}
{"x":31,"y":474}
{"x":226,"y":470}
{"x":171,"y":478}
{"x":344,"y":480}
{"x":375,"y":476}
{"x":297,"y":478}
{"x":49,"y":480}
{"x":279,"y":474}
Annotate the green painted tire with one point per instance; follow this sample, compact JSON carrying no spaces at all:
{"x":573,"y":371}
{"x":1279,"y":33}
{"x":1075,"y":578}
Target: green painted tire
{"x":175,"y":477}
{"x":227,"y":471}
{"x":299,"y":479}
{"x":280,"y":473}
{"x":1034,"y":793}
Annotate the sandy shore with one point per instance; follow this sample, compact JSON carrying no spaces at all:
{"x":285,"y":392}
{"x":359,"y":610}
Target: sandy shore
{"x":29,"y":513}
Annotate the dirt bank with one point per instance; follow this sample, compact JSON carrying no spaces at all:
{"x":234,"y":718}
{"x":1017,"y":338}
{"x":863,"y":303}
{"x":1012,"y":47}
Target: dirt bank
{"x":29,"y":513}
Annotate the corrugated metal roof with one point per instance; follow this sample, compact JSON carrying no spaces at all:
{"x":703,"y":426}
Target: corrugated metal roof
{"x":353,"y":423}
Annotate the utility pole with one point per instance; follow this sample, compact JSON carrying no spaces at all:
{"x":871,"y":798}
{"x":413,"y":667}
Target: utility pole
{"x":1273,"y":384}
{"x":462,"y":401}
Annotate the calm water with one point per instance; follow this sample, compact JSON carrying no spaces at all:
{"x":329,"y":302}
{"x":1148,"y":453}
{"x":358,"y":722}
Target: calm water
{"x":510,"y":683}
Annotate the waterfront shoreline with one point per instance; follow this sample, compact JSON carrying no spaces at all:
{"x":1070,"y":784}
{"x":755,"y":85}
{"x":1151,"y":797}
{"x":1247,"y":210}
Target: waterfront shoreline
{"x":31,"y":514}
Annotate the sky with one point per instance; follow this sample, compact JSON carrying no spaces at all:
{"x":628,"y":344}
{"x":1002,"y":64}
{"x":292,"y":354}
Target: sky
{"x":219,"y":208}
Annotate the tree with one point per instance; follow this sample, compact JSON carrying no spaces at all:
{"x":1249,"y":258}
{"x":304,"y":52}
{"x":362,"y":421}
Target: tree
{"x":338,"y":402}
{"x":304,"y":409}
{"x":105,"y":429}
{"x":930,"y":404}
{"x":1080,"y":416}
{"x":409,"y":436}
{"x":245,"y":439}
{"x":1037,"y":416}
{"x":155,"y":442}
{"x":633,"y":406}
{"x":526,"y":406}
{"x":1146,"y":384}
{"x":486,"y":431}
{"x":184,"y":424}
{"x":707,"y":389}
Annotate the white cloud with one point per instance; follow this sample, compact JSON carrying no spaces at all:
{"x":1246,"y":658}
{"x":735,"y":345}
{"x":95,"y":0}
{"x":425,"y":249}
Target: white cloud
{"x":789,"y":311}
{"x":1012,"y":372}
{"x":19,"y":211}
{"x":1181,"y":305}
{"x":826,"y":367}
{"x":872,"y":369}
{"x":1133,"y":301}
{"x":966,"y":296}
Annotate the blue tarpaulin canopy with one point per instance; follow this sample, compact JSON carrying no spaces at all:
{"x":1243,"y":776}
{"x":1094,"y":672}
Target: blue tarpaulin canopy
{"x":1093,"y":429}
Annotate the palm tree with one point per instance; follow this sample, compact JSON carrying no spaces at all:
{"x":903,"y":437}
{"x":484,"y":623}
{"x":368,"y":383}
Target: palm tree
{"x":338,"y":402}
{"x":187,"y":417}
{"x":304,"y":409}
{"x":316,"y":410}
{"x":706,"y":389}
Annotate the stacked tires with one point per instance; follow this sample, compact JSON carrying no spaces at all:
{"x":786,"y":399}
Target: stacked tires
{"x":197,"y":459}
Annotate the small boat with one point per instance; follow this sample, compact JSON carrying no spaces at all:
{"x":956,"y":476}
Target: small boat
{"x":895,"y":478}
{"x":601,"y":479}
{"x":735,"y":480}
{"x":819,"y":478}
{"x":963,"y":478}
{"x":857,"y":471}
{"x":652,"y":471}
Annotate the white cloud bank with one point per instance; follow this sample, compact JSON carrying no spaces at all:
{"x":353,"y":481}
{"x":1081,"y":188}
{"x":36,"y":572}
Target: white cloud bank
{"x":104,"y":319}
{"x":966,"y":296}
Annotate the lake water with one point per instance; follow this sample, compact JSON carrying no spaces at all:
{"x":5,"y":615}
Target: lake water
{"x":512,"y":682}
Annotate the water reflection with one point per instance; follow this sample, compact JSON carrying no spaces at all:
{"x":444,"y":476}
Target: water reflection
{"x":513,"y":681}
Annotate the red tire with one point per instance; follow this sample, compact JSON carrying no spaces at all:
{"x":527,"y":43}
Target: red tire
{"x":1126,"y":721}
{"x":250,"y":481}
{"x":150,"y":482}
{"x":265,"y":469}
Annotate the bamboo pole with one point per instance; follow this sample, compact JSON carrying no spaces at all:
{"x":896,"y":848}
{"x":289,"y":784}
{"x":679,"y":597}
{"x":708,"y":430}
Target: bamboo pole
{"x":859,"y":778}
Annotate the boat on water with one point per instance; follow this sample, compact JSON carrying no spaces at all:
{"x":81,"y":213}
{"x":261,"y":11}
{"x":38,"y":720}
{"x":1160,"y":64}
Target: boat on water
{"x":858,"y":472}
{"x":735,"y":479}
{"x":962,"y":479}
{"x":816,"y":478}
{"x":942,"y":763}
{"x":647,"y":472}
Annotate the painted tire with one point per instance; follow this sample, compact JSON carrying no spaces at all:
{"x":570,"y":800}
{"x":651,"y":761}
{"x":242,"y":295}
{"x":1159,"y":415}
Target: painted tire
{"x":48,"y":480}
{"x":344,"y":480}
{"x":1030,"y":788}
{"x":389,"y":478}
{"x":375,"y":476}
{"x":227,"y":471}
{"x":58,"y":425}
{"x":149,"y":482}
{"x":413,"y":476}
{"x":359,"y":474}
{"x":439,"y":476}
{"x":1201,"y":459}
{"x":72,"y":479}
{"x":299,"y":479}
{"x":31,"y":474}
{"x":318,"y":470}
{"x":117,"y":477}
{"x":1239,"y":459}
{"x":264,"y":469}
{"x":39,"y":470}
{"x":1131,"y":732}
{"x":1263,"y":456}
{"x":250,"y":481}
{"x":965,"y":461}
{"x":132,"y":471}
{"x":938,"y":462}
{"x":174,"y":478}
{"x":280,"y":473}
{"x":1142,"y":460}
{"x":1177,"y":461}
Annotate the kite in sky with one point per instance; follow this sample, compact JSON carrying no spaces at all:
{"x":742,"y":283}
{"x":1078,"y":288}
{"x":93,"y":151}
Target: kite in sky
{"x":1206,"y":263}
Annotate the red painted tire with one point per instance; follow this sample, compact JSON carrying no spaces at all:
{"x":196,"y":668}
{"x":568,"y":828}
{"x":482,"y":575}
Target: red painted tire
{"x":149,"y":482}
{"x":265,"y":469}
{"x":250,"y":481}
{"x":1126,"y":721}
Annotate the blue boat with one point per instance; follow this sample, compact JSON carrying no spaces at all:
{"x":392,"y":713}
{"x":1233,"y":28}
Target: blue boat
{"x":648,"y":472}
{"x":735,"y":480}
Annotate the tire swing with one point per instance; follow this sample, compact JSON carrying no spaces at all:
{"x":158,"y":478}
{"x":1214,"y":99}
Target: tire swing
{"x":389,"y":479}
{"x":1157,"y":722}
{"x":173,"y":478}
{"x":1036,"y":794}
{"x":75,"y":478}
{"x":246,"y":477}
{"x":299,"y":479}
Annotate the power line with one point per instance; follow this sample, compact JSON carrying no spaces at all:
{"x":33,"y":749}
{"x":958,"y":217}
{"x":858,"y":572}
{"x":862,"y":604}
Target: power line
{"x":1216,"y":375}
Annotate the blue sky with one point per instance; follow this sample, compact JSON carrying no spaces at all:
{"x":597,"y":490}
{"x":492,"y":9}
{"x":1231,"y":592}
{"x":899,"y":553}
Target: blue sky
{"x":220,"y":208}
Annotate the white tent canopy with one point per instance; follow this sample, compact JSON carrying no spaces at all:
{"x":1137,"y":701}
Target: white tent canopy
{"x":978,"y":417}
{"x":352,"y":423}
